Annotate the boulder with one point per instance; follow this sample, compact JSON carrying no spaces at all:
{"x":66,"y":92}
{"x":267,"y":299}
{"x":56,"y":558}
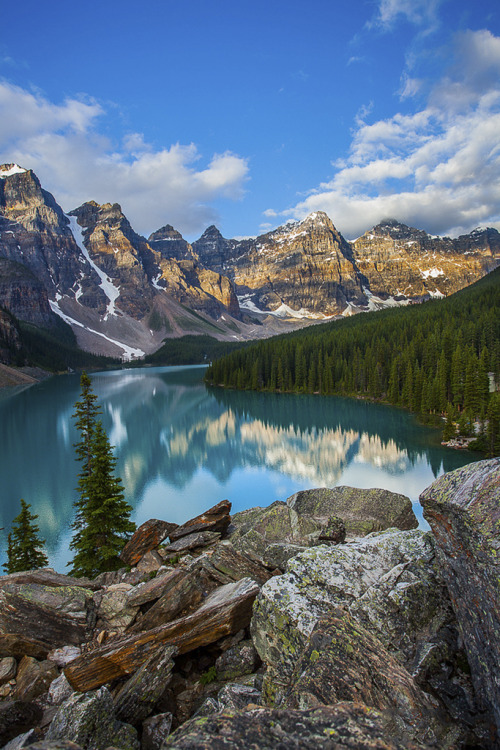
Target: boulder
{"x":52,"y":615}
{"x":236,"y":661}
{"x":387,"y":579}
{"x":155,"y":731}
{"x":48,"y":577}
{"x":215,"y":519}
{"x":33,"y":678}
{"x":147,"y":537}
{"x":343,"y":662}
{"x":255,"y":529}
{"x":225,"y":611}
{"x":150,"y":562}
{"x":137,"y":697}
{"x":115,"y":612}
{"x":17,"y":717}
{"x":8,"y":669}
{"x":325,"y":728}
{"x":333,"y":531}
{"x":363,"y":511}
{"x":192,"y":541}
{"x":65,"y":654}
{"x":88,"y":718}
{"x":24,"y":740}
{"x":463,"y":510}
{"x":153,"y":589}
{"x":59,"y":691}
{"x":277,"y":555}
{"x":54,"y":745}
{"x":19,"y":645}
{"x":237,"y":565}
{"x":236,"y":697}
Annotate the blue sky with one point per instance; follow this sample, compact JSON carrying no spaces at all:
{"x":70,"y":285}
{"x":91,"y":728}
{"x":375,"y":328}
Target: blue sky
{"x":248,"y":113}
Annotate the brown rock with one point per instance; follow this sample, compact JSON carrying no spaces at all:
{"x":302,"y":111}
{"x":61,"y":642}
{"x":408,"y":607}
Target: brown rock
{"x":33,"y":678}
{"x":192,"y":541}
{"x":237,"y":565}
{"x":52,"y":615}
{"x":215,"y":519}
{"x":150,"y":562}
{"x":19,"y":646}
{"x":47,"y":577}
{"x":148,"y":536}
{"x":225,"y":611}
{"x":8,"y":669}
{"x":182,"y":593}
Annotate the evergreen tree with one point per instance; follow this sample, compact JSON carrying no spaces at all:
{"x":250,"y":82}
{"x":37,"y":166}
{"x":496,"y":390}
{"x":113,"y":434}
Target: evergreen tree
{"x":102,"y":522}
{"x":23,"y":552}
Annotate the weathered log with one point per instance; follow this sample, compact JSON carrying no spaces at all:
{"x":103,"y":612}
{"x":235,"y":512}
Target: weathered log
{"x":225,"y":611}
{"x":148,"y":536}
{"x":215,"y":519}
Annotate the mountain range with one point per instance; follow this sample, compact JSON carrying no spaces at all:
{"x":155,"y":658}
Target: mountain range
{"x":124,"y":294}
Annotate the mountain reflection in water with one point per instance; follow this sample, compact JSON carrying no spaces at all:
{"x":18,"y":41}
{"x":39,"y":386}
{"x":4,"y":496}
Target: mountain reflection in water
{"x":182,"y":447}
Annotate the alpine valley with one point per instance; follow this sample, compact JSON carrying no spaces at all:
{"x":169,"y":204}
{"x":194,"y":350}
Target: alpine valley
{"x":123,"y":294}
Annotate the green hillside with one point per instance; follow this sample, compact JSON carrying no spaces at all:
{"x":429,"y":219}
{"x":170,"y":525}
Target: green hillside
{"x":432,"y":358}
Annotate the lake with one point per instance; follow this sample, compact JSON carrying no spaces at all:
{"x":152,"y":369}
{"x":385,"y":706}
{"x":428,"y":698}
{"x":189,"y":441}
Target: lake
{"x":182,"y":447}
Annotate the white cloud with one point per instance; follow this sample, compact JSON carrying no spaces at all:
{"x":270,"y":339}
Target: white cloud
{"x":437,"y":168}
{"x":418,"y":12}
{"x":62,"y":144}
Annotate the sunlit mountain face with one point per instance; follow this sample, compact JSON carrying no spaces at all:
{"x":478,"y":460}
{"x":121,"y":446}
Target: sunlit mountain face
{"x":182,"y":447}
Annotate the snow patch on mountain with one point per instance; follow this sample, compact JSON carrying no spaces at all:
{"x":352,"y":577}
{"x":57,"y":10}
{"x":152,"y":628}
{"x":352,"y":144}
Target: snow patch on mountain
{"x":110,"y":290}
{"x":128,"y":351}
{"x":13,"y":169}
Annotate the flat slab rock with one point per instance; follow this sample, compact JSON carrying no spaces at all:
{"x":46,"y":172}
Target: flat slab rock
{"x":463,"y":510}
{"x":147,"y":537}
{"x":343,"y":726}
{"x":226,"y":611}
{"x":214,"y":519}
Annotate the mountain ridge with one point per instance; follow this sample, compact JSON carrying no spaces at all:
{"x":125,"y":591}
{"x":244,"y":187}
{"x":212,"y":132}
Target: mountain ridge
{"x":124,"y":295}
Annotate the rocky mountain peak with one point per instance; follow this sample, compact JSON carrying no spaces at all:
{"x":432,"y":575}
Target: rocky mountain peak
{"x":171,"y":244}
{"x":7,"y":170}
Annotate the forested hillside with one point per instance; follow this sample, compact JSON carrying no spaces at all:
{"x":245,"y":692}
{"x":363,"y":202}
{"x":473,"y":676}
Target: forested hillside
{"x":432,"y":358}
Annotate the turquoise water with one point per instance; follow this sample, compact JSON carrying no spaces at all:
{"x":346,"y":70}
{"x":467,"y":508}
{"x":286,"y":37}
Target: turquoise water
{"x":182,"y":447}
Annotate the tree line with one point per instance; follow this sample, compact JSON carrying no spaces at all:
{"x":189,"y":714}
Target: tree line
{"x":102,"y":522}
{"x":438,"y":358}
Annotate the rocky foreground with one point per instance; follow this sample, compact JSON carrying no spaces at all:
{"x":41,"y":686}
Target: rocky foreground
{"x":328,"y":621}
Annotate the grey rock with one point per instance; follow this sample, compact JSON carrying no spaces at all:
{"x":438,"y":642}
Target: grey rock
{"x":325,"y":728}
{"x":138,"y":696}
{"x":235,"y":697}
{"x":192,"y":541}
{"x":238,"y":660}
{"x":59,"y":690}
{"x":463,"y":509}
{"x":23,"y":740}
{"x":278,"y":554}
{"x":363,"y":511}
{"x":64,"y":655}
{"x":333,"y":531}
{"x":155,"y":731}
{"x":89,"y":719}
{"x":115,"y":612}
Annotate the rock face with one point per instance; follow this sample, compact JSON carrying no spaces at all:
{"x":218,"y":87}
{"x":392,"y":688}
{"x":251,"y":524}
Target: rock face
{"x":303,"y":520}
{"x":400,"y":261}
{"x":344,"y":725}
{"x":463,"y":509}
{"x":311,"y":268}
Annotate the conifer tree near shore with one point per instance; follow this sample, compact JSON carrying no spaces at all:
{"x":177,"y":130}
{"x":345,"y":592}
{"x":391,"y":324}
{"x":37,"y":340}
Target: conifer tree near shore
{"x":23,"y":551}
{"x":102,"y":522}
